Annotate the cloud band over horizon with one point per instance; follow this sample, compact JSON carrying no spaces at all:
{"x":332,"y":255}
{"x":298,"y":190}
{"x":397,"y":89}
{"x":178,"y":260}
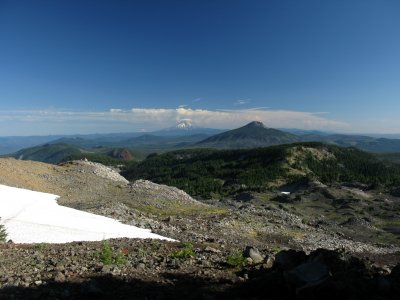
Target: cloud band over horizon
{"x":32,"y":122}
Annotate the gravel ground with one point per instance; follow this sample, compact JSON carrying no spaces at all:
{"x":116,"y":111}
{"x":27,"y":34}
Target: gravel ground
{"x":150,"y":269}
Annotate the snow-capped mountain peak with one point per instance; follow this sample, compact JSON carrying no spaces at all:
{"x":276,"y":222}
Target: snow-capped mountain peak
{"x":185,"y":124}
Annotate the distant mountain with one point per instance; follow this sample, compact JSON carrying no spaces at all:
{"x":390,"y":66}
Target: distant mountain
{"x":252,"y":135}
{"x":185,"y":127}
{"x":185,"y":135}
{"x":184,"y":124}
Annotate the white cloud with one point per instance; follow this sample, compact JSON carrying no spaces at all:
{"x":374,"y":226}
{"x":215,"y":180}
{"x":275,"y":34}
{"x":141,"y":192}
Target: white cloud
{"x":242,"y":102}
{"x":116,"y":110}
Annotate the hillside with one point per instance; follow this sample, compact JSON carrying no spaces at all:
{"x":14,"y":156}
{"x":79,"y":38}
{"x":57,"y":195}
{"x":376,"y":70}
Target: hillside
{"x":209,"y":172}
{"x":391,"y":157}
{"x":49,"y":153}
{"x":252,"y":135}
{"x":56,"y":153}
{"x":343,"y":190}
{"x":236,"y":245}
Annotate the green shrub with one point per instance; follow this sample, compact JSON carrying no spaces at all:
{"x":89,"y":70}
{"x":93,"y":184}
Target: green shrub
{"x":236,"y":259}
{"x":41,"y":246}
{"x":185,"y":252}
{"x":120,"y":259}
{"x":106,"y":254}
{"x":3,"y":234}
{"x":109,"y":257}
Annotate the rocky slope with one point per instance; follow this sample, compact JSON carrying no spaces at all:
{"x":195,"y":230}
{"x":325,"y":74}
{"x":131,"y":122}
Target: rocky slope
{"x":213,"y":264}
{"x":157,"y":270}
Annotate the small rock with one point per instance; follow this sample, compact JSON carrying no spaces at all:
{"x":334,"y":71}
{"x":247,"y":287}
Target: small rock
{"x":254,"y":254}
{"x":269,"y":262}
{"x":249,"y":261}
{"x":168,"y":219}
{"x":211,"y":250}
{"x":106,"y":270}
{"x":38,"y":282}
{"x":60,"y":277}
{"x":206,"y":263}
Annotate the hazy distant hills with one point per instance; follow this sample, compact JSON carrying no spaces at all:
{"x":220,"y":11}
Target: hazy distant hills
{"x":54,"y":149}
{"x":11,"y":144}
{"x":255,"y":134}
{"x":252,"y":135}
{"x":366,"y":143}
{"x":147,"y":141}
{"x":182,"y":134}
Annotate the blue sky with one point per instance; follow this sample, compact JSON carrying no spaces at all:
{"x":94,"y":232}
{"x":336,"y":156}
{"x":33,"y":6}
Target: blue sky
{"x":107,"y":66}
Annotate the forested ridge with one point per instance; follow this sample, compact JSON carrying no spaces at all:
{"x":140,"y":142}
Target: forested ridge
{"x":206,"y":172}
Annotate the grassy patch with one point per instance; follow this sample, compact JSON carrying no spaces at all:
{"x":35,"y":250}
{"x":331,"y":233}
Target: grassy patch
{"x":181,"y":210}
{"x":294,"y":233}
{"x":387,"y":238}
{"x":385,"y":223}
{"x":41,"y":246}
{"x":276,"y":249}
{"x":236,"y":259}
{"x":253,"y":233}
{"x":185,"y":252}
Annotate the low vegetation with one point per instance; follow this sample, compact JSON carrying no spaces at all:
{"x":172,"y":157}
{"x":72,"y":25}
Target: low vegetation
{"x":236,"y":259}
{"x":106,"y":254}
{"x":109,"y":257}
{"x":186,"y":251}
{"x":3,"y":233}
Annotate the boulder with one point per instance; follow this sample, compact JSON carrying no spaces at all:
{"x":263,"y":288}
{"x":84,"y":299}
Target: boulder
{"x":289,"y":259}
{"x":254,"y":254}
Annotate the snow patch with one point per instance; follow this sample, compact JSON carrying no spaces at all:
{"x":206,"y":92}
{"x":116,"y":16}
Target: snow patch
{"x":34,"y":217}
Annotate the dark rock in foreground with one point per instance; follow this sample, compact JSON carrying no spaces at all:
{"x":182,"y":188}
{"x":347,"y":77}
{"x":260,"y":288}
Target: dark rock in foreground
{"x":159,"y":270}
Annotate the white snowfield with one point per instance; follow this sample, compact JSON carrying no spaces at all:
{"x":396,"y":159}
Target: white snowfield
{"x":33,"y":217}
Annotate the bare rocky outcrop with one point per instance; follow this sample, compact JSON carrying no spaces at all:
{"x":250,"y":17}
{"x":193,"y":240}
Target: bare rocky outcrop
{"x":123,"y":154}
{"x":97,"y":169}
{"x":150,"y":189}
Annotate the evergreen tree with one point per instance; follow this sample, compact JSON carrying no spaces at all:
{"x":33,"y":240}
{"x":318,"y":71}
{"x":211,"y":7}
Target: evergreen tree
{"x":3,"y":234}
